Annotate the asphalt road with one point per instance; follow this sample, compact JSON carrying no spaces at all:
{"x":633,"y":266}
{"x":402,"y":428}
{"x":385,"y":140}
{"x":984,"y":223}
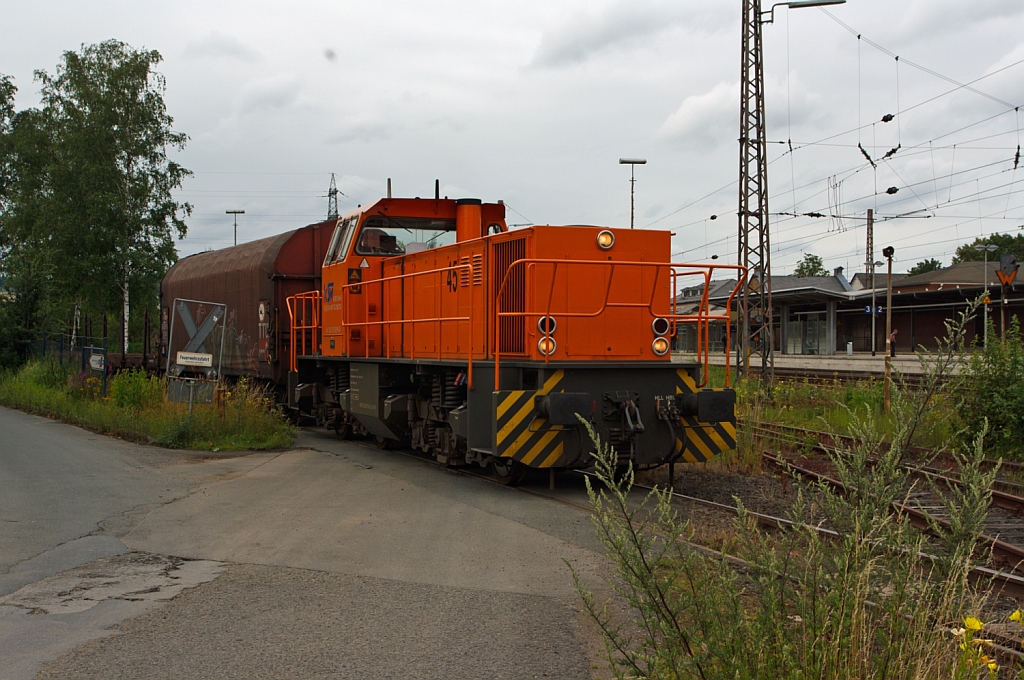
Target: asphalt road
{"x":331,"y":560}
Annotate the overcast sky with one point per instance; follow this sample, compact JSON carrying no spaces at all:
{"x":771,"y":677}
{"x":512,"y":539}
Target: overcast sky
{"x":534,"y":102}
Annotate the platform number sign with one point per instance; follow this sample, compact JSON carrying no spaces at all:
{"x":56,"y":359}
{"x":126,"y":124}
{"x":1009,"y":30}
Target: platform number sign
{"x":878,"y":310}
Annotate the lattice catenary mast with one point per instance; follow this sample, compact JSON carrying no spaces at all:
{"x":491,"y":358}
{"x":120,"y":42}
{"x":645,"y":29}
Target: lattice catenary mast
{"x":332,"y":200}
{"x":755,"y":299}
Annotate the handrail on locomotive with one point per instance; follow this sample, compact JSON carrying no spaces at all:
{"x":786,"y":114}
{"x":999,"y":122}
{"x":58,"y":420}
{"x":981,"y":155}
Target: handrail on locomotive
{"x":305,"y":309}
{"x":702,"y":318}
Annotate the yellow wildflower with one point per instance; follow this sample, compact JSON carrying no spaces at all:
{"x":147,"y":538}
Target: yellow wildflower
{"x":1016,"y":616}
{"x":992,"y":666}
{"x":973,"y":624}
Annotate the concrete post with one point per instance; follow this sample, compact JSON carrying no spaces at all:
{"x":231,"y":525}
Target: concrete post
{"x":830,"y":328}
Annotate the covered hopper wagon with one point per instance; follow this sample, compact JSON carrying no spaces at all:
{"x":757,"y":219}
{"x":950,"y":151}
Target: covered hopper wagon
{"x":253,"y":281}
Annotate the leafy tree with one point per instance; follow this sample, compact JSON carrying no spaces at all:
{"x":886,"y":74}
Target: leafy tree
{"x":112,"y":133}
{"x":810,"y":265}
{"x":1004,"y":243}
{"x":991,"y":391}
{"x":24,"y":293}
{"x":929,"y":265}
{"x":89,"y":215}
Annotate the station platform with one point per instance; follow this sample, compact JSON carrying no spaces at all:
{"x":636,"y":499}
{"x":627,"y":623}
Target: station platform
{"x":823,"y":365}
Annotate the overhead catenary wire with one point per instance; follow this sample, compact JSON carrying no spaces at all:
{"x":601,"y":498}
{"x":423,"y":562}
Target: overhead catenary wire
{"x":860,"y":38}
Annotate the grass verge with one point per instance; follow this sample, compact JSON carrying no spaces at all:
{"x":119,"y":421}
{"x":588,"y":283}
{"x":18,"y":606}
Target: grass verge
{"x":135,"y":408}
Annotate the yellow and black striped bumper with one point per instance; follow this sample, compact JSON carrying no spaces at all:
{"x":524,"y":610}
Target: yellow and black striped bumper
{"x":522,"y":433}
{"x":702,"y":441}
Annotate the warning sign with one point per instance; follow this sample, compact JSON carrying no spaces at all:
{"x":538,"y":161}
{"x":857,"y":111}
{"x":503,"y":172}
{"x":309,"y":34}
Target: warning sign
{"x":355,"y":275}
{"x":195,"y":359}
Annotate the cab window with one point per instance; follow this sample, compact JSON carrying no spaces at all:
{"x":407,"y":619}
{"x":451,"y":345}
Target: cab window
{"x":341,"y":241}
{"x":390,"y":236}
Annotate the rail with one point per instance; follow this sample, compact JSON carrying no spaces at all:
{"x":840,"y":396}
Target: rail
{"x":305,"y":311}
{"x":677,"y":271}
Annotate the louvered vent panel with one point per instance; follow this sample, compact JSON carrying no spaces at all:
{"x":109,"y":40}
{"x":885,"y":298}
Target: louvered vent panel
{"x":511,"y":329}
{"x":478,"y":269}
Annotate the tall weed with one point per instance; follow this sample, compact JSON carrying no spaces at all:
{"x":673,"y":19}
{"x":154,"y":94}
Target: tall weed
{"x":136,"y":409}
{"x":863,"y":602}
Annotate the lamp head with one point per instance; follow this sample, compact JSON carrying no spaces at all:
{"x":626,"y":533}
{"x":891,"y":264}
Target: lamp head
{"x":632,"y":161}
{"x":797,"y":4}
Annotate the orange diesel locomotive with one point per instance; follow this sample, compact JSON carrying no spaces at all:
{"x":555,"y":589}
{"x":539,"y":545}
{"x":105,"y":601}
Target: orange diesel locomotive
{"x":439,"y":328}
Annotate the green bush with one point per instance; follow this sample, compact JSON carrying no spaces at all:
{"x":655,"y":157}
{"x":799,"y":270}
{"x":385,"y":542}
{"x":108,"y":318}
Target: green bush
{"x":46,"y":373}
{"x":992,"y":389}
{"x":136,"y":389}
{"x":135,"y":409}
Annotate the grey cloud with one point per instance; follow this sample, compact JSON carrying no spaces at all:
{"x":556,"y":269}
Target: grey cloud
{"x":653,"y":211}
{"x":270,"y":96}
{"x":219,"y":46}
{"x":362,"y":132}
{"x":705,"y":120}
{"x":955,"y":16}
{"x":623,"y":24}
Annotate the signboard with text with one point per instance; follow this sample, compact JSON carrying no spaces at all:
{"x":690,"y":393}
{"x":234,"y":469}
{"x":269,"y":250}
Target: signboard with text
{"x":195,"y":359}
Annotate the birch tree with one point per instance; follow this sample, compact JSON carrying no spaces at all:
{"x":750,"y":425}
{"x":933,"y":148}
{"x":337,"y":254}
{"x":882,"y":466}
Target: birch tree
{"x":110,"y":178}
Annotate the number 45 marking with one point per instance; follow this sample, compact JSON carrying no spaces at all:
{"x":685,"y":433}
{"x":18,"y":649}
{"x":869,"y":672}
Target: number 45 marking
{"x":453,"y":276}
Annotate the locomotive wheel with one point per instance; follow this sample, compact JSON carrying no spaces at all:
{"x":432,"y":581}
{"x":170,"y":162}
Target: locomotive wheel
{"x":344,"y":430}
{"x":508,"y":472}
{"x":383,"y":443}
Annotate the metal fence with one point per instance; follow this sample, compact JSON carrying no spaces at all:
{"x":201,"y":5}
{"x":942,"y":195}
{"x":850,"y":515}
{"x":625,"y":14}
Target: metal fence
{"x":87,"y":355}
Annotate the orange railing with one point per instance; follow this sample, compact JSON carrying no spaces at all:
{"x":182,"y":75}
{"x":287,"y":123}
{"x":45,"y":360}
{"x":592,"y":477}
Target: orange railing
{"x":305,"y":312}
{"x":305,"y":309}
{"x":702,"y":317}
{"x":386,"y":323}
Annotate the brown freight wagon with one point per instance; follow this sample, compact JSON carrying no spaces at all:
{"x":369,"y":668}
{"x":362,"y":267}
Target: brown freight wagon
{"x":253,"y":280}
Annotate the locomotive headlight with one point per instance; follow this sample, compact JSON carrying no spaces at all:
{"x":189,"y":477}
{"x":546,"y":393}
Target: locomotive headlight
{"x":660,"y":346}
{"x":547,"y":325}
{"x":660,"y":326}
{"x":546,"y":346}
{"x":605,"y":240}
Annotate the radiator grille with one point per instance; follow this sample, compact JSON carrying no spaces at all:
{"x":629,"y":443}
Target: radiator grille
{"x":478,"y":269}
{"x":511,"y":329}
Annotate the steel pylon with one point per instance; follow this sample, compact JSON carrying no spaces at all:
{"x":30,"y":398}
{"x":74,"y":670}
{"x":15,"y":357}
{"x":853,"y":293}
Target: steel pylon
{"x":755,"y":299}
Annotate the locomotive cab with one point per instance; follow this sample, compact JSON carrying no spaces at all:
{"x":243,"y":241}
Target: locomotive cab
{"x":438,"y":328}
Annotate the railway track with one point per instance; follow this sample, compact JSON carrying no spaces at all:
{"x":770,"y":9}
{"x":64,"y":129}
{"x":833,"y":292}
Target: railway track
{"x":922,"y":506}
{"x":1008,"y":482}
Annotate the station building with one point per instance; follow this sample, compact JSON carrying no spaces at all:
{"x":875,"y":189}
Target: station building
{"x":829,"y":315}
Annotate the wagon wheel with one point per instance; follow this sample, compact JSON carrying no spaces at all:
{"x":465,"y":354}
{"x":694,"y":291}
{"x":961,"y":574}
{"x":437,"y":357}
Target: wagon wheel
{"x":343,"y":430}
{"x":383,"y":443}
{"x":508,"y":472}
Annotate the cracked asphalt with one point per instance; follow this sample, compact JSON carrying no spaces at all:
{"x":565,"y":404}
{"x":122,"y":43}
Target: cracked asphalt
{"x":332,"y":560}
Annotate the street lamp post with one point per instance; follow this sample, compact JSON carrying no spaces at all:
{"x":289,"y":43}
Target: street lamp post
{"x":987,"y":249}
{"x":887,"y":253}
{"x":236,"y":213}
{"x":632,"y":163}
